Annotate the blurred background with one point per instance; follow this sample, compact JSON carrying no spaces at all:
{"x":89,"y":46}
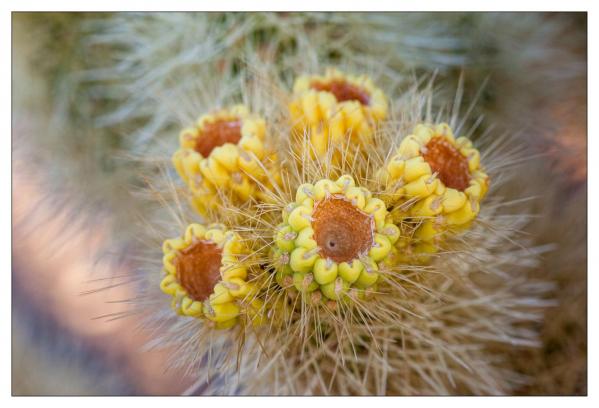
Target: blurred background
{"x":78,"y":113}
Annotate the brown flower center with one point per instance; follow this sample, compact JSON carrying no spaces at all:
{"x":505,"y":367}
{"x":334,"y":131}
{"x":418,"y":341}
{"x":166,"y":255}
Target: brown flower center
{"x":198,"y":269}
{"x":217,"y":133}
{"x":341,"y":230}
{"x":448,"y":162}
{"x":343,"y":91}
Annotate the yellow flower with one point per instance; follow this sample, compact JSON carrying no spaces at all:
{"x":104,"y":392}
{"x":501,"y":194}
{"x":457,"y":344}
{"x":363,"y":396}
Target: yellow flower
{"x":205,"y":276}
{"x":335,"y":108}
{"x":333,"y":238}
{"x":436,"y":179}
{"x":223,"y":152}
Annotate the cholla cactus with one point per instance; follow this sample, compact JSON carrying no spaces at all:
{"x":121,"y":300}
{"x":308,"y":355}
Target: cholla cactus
{"x":335,"y":303}
{"x":456,"y":314}
{"x":318,"y":267}
{"x":328,"y":280}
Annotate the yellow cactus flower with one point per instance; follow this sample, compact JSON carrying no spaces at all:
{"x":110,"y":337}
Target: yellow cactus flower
{"x":332,"y":239}
{"x":222,"y":152}
{"x":436,"y":178}
{"x":205,"y":276}
{"x":336,"y":107}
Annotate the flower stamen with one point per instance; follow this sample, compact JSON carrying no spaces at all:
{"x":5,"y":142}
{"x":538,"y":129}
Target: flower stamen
{"x":343,"y":91}
{"x":447,"y":161}
{"x":341,"y":230}
{"x":217,"y":133}
{"x":198,"y":269}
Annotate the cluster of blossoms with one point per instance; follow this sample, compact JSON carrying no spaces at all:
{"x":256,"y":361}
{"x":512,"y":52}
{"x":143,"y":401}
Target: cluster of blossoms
{"x":205,"y":278}
{"x":336,"y":108}
{"x":436,"y":179}
{"x":335,"y":239}
{"x":222,"y":153}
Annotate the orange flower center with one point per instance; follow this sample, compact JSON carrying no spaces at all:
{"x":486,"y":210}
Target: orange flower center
{"x":217,"y":133}
{"x":449,"y":164}
{"x":198,"y":269}
{"x":341,"y":230}
{"x":343,"y":91}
